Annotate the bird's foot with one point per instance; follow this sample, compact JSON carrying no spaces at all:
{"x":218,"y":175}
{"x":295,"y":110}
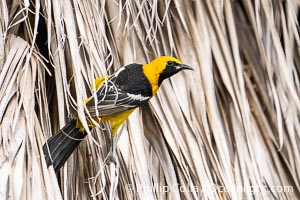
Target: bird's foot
{"x":111,"y":158}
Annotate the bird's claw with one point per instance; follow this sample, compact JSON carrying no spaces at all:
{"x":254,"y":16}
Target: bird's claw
{"x":110,"y":158}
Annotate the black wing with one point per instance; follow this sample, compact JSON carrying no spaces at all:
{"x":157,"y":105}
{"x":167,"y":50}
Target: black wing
{"x":128,"y":88}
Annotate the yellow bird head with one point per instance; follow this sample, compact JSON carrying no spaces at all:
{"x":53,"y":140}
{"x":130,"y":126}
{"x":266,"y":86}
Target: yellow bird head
{"x":162,"y":68}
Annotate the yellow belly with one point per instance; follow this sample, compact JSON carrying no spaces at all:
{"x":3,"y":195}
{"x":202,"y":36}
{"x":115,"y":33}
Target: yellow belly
{"x":115,"y":121}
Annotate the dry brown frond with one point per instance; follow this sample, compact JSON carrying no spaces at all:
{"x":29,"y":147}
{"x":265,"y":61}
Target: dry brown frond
{"x":228,"y":130}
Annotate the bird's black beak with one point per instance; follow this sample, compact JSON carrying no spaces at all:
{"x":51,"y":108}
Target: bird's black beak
{"x":183,"y":67}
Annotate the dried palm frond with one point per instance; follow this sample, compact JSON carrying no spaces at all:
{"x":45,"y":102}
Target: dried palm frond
{"x":228,"y":130}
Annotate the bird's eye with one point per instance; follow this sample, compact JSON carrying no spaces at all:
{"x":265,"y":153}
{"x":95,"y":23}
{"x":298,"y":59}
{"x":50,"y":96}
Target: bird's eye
{"x":170,"y":63}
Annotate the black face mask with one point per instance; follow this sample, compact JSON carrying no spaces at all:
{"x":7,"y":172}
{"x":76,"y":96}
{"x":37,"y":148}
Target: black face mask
{"x":171,"y":69}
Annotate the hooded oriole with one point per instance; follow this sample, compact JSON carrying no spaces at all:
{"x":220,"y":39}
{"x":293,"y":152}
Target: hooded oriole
{"x":116,"y":97}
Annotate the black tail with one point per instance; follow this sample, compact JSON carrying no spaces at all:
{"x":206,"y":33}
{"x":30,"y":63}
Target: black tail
{"x":60,"y":146}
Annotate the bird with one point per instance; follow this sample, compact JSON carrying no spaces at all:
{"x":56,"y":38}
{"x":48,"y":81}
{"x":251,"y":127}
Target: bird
{"x":114,"y":98}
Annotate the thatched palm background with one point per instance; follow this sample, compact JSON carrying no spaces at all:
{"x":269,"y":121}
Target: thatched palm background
{"x":228,"y":130}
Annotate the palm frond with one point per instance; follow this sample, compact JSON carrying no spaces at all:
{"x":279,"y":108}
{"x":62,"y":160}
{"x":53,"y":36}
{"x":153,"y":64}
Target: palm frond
{"x":228,"y":130}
